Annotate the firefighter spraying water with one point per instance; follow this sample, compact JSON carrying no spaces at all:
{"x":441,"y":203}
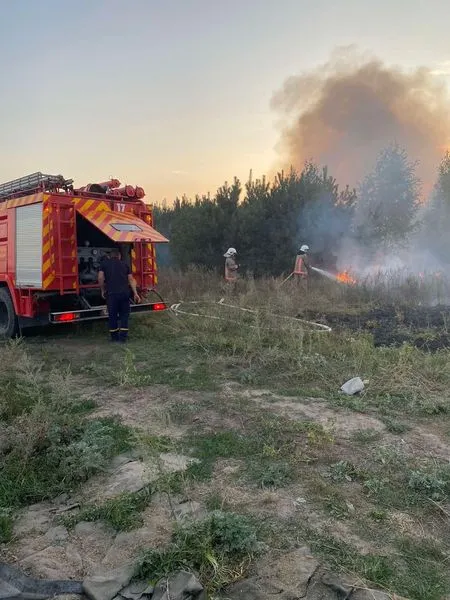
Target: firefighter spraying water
{"x":302,"y":266}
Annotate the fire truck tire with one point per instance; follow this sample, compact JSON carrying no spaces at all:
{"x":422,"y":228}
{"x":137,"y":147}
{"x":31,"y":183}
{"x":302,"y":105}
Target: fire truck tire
{"x":8,"y":317}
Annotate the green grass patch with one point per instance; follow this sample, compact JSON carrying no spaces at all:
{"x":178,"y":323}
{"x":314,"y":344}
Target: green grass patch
{"x":57,"y":453}
{"x":224,"y":444}
{"x":417,"y":569}
{"x":271,"y":451}
{"x":433,"y":483}
{"x":6,"y":525}
{"x":395,"y":426}
{"x":270,"y":474}
{"x":341,"y":556}
{"x":123,"y":512}
{"x":171,"y":361}
{"x":207,"y":448}
{"x":344,"y":470}
{"x":392,"y":479}
{"x":335,"y":506}
{"x":214,"y":502}
{"x":219,"y":548}
{"x":83,"y":407}
{"x":156,"y":443}
{"x":378,"y":515}
{"x":408,"y":487}
{"x":50,"y":445}
{"x":424,"y":574}
{"x":366,"y":436}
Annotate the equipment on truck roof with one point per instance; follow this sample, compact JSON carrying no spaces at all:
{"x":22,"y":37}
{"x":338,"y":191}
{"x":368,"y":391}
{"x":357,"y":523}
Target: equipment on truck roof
{"x":35,"y":182}
{"x":40,"y":182}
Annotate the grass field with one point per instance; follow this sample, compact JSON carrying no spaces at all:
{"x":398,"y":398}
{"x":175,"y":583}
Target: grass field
{"x":282,"y":457}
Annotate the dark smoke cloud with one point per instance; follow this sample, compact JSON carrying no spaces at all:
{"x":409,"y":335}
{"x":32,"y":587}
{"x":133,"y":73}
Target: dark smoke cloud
{"x":344,"y":112}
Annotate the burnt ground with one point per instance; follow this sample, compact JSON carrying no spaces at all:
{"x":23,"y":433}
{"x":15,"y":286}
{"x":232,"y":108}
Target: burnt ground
{"x":425,"y":327}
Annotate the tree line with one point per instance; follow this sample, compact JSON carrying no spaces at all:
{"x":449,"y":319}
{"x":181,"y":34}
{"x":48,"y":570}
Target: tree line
{"x":266,"y":221}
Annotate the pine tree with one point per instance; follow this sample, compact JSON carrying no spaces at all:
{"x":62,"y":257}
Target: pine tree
{"x":388,"y":201}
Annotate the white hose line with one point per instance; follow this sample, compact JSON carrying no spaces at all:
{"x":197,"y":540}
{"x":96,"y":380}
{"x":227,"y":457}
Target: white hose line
{"x":175,"y":308}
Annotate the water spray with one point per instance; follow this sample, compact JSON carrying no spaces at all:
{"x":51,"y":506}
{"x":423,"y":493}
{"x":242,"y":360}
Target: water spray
{"x":343,"y":277}
{"x":326,"y":274}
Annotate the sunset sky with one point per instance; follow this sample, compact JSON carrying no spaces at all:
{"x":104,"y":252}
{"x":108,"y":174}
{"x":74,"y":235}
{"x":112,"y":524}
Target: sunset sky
{"x":174,"y":95}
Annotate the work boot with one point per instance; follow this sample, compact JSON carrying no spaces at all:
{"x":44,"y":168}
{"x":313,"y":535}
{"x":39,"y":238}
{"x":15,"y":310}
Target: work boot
{"x":114,"y":335}
{"x":123,"y":336}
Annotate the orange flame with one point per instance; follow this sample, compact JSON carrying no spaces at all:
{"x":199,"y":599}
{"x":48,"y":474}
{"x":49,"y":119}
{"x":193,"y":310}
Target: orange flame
{"x":345,"y":277}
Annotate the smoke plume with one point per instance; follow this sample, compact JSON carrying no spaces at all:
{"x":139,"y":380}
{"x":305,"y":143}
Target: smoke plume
{"x":347,"y":110}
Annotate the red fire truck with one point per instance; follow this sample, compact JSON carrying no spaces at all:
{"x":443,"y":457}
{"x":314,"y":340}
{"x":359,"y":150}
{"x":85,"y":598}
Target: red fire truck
{"x":52,"y":239}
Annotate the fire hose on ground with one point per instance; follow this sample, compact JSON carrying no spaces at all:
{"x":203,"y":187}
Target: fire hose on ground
{"x":175,"y":308}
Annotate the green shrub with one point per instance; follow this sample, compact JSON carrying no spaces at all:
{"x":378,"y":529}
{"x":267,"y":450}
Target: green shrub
{"x":219,"y":549}
{"x":434,"y":484}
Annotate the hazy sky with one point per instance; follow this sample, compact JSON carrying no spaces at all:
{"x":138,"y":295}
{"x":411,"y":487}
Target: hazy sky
{"x":174,"y":95}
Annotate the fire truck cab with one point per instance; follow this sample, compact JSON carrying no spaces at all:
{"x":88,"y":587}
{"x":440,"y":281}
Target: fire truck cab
{"x":53,"y":238}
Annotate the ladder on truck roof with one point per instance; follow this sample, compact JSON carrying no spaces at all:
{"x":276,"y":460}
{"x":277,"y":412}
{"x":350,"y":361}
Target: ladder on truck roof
{"x":36,"y":182}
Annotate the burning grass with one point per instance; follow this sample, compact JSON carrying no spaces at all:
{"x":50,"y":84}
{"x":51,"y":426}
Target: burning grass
{"x":345,"y":277}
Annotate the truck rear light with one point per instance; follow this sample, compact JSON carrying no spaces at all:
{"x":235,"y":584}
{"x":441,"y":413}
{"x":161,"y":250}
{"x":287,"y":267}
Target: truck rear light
{"x":159,"y":306}
{"x":65,"y":317}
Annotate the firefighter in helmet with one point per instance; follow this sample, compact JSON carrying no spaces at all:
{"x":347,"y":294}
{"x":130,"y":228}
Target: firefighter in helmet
{"x":302,"y":267}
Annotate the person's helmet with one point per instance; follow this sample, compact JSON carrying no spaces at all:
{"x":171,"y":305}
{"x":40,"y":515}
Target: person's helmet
{"x":304,"y":248}
{"x":230,"y":252}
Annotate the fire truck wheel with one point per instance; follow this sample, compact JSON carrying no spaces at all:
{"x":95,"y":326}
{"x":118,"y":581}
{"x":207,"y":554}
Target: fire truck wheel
{"x":8,"y":318}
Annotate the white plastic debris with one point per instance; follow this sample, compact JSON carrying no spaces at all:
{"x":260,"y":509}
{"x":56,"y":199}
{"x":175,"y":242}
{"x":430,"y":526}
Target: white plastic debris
{"x":353,"y":386}
{"x":299,"y":501}
{"x":350,"y":506}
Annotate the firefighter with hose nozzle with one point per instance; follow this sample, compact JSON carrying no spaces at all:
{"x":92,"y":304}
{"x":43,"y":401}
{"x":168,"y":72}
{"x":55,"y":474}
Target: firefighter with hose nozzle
{"x":302,"y":267}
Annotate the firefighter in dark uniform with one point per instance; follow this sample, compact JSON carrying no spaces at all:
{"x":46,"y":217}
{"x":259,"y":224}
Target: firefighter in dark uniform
{"x":115,"y":281}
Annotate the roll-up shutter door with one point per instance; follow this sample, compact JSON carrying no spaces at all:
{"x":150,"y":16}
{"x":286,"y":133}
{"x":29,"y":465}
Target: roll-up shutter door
{"x":29,"y":245}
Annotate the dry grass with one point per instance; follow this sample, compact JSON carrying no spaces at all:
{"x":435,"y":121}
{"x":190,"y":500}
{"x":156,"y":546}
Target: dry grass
{"x":261,"y":453}
{"x":261,"y":349}
{"x":47,"y":445}
{"x":324,"y":295}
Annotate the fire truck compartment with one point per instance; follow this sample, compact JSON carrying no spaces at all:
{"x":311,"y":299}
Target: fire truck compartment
{"x":28,"y":245}
{"x":92,"y":246}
